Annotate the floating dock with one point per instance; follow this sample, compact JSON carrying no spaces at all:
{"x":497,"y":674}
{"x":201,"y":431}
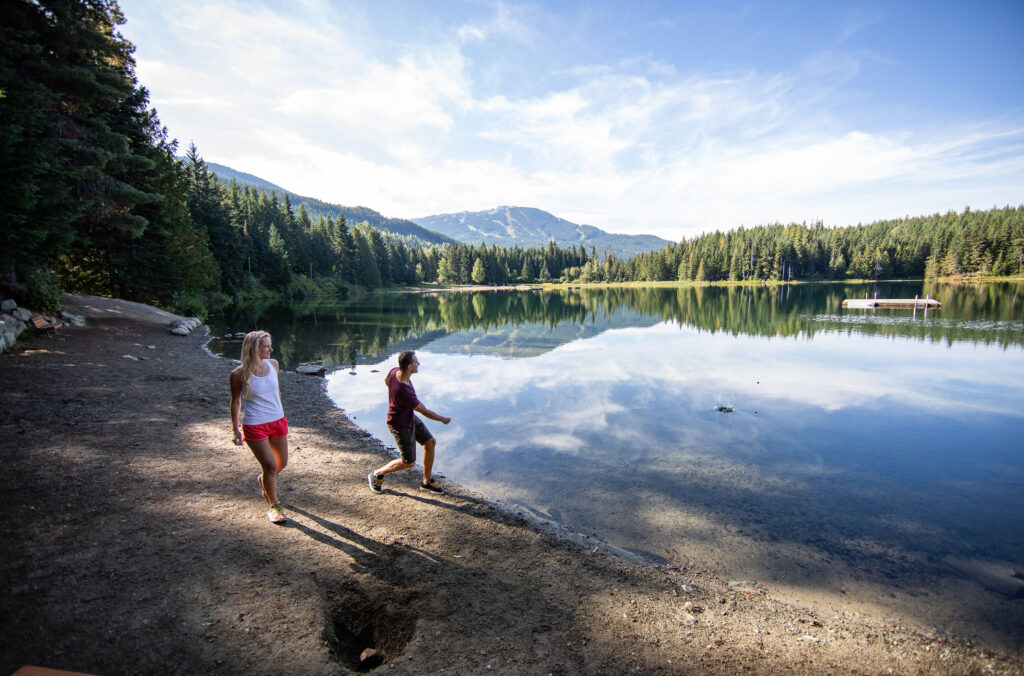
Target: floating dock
{"x":927,"y":303}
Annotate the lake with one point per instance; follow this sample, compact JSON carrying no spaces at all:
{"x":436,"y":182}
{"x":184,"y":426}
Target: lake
{"x":867,"y":461}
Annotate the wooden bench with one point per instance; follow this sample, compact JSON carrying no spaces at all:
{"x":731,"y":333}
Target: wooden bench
{"x":39,"y":323}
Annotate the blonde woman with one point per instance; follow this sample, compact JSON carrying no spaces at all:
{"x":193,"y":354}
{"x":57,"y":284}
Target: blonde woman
{"x":256,"y":395}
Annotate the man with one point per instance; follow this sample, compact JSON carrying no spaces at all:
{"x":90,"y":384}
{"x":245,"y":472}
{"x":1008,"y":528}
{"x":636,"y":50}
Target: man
{"x":405,"y":427}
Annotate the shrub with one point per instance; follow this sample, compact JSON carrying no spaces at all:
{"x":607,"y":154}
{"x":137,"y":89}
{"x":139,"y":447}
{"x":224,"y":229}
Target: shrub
{"x":42,"y":291}
{"x":189,"y":305}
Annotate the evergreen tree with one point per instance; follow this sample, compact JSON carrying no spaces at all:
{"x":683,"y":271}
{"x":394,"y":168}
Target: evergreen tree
{"x":70,"y":101}
{"x":343,"y":248}
{"x":367,"y":272}
{"x":206,"y":204}
{"x":479,"y":276}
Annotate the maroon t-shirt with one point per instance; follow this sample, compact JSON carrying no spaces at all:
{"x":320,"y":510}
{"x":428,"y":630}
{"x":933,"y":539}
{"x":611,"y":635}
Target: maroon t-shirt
{"x":401,"y":401}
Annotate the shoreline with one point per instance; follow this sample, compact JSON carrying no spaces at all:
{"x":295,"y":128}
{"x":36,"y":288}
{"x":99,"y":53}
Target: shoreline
{"x":139,"y":545}
{"x":551,"y":527}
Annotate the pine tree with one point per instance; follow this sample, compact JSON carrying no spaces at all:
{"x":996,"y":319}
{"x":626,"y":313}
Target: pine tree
{"x":70,"y":108}
{"x":367,"y":271}
{"x":479,"y":276}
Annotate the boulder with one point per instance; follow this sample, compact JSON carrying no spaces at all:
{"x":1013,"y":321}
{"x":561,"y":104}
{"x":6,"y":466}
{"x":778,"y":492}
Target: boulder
{"x":21,"y":313}
{"x":8,"y":305}
{"x":10,"y":329}
{"x":185,"y":326}
{"x":313,"y":369}
{"x":75,"y":320}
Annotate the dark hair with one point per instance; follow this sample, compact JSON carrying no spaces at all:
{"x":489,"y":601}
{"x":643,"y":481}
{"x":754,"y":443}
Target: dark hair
{"x":405,"y":359}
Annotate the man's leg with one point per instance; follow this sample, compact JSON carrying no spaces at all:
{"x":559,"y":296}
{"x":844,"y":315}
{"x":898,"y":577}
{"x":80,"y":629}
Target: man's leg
{"x":428,"y":459}
{"x":406,"y":447}
{"x":395,"y":465}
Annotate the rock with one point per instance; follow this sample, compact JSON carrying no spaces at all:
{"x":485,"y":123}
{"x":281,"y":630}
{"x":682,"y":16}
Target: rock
{"x":76,"y":320}
{"x":998,"y":576}
{"x":128,"y":356}
{"x":183,"y":327}
{"x":21,"y":313}
{"x":689,"y":619}
{"x":311,"y":369}
{"x":8,"y":305}
{"x":748,"y":586}
{"x":687,"y":589}
{"x":10,"y":329}
{"x":370,"y":658}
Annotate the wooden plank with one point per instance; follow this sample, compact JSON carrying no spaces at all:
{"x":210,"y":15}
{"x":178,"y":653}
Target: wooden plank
{"x":29,"y":670}
{"x":891,"y":302}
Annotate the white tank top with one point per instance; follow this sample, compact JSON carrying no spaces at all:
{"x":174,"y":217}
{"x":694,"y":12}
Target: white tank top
{"x":264,"y":405}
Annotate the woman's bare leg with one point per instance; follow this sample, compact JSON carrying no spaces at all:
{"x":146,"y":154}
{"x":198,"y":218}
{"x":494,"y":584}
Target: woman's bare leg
{"x":280,"y":448}
{"x":266,"y":457}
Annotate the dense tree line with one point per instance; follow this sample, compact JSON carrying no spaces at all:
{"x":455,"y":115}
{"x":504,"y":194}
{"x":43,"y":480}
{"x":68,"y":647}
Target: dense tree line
{"x":94,"y":199}
{"x":983,"y":242}
{"x":87,"y":170}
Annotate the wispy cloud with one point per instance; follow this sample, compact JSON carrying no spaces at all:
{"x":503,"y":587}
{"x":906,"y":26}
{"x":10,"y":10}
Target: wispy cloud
{"x":504,"y":22}
{"x":299,"y":98}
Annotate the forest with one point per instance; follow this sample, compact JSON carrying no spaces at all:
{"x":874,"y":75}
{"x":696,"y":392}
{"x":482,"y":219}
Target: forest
{"x":94,"y":198}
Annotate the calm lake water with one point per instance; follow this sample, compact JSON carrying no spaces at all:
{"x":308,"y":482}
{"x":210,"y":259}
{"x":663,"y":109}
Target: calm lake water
{"x":868,"y":454}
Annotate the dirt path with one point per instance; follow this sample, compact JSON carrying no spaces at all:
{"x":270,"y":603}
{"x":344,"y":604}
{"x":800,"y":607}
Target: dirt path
{"x":135,"y":542}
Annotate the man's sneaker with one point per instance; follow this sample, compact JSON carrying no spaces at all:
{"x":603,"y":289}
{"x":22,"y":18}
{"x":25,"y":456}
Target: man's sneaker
{"x":276,"y":514}
{"x":432,"y":487}
{"x":376,"y":483}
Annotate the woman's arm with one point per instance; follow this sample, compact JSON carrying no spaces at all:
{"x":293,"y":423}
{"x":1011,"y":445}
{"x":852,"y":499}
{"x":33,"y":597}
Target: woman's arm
{"x":235,"y":379}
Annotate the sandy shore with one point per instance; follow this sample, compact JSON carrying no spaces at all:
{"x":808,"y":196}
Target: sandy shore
{"x":136,"y":542}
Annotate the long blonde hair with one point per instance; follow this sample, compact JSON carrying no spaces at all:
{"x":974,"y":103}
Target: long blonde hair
{"x":250,"y":359}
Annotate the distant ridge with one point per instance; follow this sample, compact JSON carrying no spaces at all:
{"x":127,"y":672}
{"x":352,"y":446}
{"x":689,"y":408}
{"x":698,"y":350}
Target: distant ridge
{"x":227,"y":174}
{"x":529,"y":227}
{"x":315,"y":207}
{"x":503,"y":226}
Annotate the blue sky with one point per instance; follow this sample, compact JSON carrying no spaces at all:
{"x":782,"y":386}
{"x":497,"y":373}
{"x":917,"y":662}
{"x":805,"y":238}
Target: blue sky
{"x":668,"y":118}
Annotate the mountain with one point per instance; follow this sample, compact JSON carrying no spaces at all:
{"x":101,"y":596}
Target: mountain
{"x":527,"y":227}
{"x":227,"y":174}
{"x":315,"y":208}
{"x":503,"y":226}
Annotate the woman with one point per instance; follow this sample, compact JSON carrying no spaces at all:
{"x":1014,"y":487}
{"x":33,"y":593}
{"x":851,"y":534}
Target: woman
{"x":255,"y":393}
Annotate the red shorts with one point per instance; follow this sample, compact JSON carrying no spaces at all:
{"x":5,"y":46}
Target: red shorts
{"x":270,"y":430}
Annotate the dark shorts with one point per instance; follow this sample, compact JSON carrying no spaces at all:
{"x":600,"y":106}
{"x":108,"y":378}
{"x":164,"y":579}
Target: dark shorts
{"x":406,"y":438}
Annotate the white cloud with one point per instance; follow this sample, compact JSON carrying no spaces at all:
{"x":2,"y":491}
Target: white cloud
{"x":504,"y":23}
{"x":298,"y":98}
